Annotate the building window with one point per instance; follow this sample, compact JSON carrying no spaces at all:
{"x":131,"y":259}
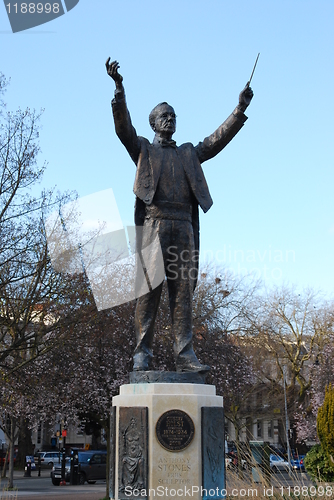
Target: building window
{"x":270,"y":429}
{"x":259,"y":428}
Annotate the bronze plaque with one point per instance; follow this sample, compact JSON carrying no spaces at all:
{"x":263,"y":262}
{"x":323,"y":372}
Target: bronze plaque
{"x":175,"y":430}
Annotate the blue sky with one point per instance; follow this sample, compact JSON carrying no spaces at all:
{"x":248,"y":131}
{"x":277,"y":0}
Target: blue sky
{"x":272,"y":186}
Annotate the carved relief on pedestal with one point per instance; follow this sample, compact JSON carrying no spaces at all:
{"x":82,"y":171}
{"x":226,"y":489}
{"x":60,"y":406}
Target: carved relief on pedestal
{"x":132,"y":465}
{"x":213,"y":448}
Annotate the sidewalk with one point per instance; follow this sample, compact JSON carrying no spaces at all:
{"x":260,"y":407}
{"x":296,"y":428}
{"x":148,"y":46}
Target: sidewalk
{"x":41,"y":488}
{"x":74,"y":496}
{"x":19,"y":474}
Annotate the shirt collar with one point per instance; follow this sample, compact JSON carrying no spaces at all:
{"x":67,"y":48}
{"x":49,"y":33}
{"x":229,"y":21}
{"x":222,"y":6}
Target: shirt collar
{"x":164,"y":142}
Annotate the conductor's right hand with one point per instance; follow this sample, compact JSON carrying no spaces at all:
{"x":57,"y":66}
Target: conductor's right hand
{"x":112,"y":70}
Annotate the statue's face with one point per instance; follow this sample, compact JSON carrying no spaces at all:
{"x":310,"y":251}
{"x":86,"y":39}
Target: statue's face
{"x":165,"y":121}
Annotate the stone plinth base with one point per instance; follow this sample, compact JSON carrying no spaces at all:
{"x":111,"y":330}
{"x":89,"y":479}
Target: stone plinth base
{"x":152,"y":377}
{"x":168,"y":442}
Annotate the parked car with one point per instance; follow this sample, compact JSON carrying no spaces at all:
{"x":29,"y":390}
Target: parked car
{"x":279,"y":452}
{"x":56,"y":472}
{"x":231,"y":461}
{"x":92,"y":466}
{"x":3,"y":457}
{"x":298,"y":463}
{"x":48,"y":458}
{"x":278,"y":464}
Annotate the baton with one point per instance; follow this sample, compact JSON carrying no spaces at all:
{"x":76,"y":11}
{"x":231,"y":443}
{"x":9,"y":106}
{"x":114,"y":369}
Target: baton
{"x":248,"y":83}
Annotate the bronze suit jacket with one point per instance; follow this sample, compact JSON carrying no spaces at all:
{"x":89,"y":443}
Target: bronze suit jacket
{"x":148,"y":158}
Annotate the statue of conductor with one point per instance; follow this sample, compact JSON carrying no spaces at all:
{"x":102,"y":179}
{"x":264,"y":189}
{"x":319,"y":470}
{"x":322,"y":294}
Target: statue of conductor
{"x":169,"y":186}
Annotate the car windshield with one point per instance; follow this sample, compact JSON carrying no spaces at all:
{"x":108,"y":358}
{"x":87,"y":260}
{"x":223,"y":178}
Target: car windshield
{"x":84,"y":457}
{"x":274,"y":457}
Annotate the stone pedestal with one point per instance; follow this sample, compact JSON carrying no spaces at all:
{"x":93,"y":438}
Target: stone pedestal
{"x":168,"y":442}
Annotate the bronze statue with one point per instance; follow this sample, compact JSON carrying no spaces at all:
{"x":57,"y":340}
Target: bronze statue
{"x":169,"y":186}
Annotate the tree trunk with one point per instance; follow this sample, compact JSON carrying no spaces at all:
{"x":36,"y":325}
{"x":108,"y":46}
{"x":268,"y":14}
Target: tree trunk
{"x":237,"y":444}
{"x":11,"y":453}
{"x":25,"y":444}
{"x":96,"y":440}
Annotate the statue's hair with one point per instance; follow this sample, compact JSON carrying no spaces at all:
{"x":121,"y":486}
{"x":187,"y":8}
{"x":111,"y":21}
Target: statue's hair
{"x":154,"y":112}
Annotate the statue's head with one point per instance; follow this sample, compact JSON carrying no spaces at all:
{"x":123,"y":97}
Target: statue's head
{"x":163,"y":120}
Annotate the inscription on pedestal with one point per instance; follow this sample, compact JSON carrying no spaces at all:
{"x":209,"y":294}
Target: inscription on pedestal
{"x":175,"y":430}
{"x":173,"y":471}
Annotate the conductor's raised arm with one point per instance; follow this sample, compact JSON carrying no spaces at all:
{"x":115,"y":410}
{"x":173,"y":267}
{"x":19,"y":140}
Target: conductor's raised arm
{"x":245,"y":97}
{"x":112,"y":70}
{"x":214,"y":143}
{"x":123,"y":125}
